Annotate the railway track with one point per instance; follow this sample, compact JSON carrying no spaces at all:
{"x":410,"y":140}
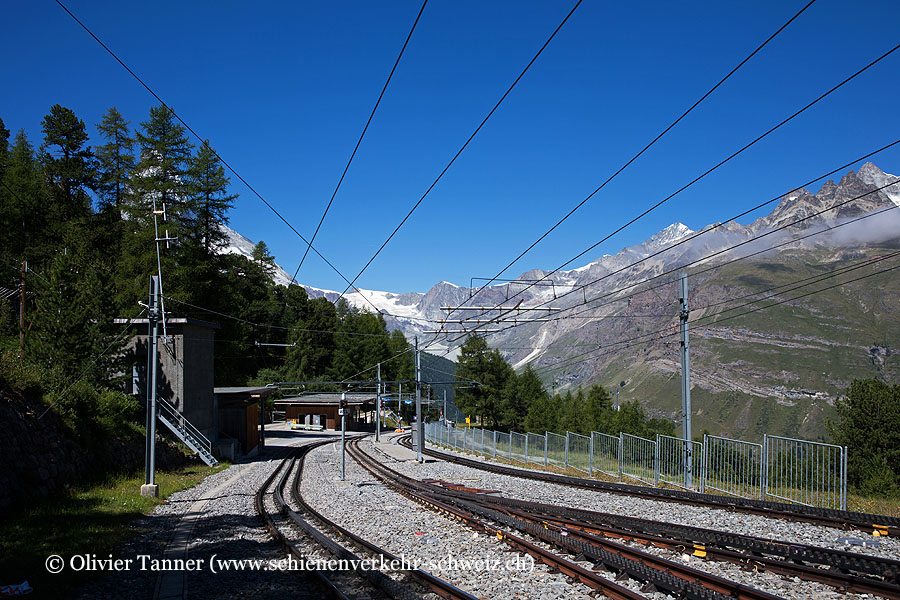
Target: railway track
{"x":840,"y":519}
{"x":592,"y":536}
{"x":359,"y":580}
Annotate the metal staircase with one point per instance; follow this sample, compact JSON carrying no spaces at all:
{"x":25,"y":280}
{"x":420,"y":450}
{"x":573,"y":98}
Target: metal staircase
{"x":392,"y":415}
{"x":185,"y":431}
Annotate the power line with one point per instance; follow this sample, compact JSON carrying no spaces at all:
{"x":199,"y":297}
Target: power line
{"x":278,"y":327}
{"x":703,"y":175}
{"x":203,"y":141}
{"x":638,"y":155}
{"x":460,"y":151}
{"x":359,"y":141}
{"x":789,"y":242}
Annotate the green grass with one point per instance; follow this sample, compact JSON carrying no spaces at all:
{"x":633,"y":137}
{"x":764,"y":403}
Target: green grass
{"x":92,"y":520}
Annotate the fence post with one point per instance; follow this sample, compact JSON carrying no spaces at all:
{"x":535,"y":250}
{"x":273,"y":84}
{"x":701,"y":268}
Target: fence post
{"x":619,"y":457}
{"x":546,"y":439}
{"x":482,"y":439}
{"x":495,"y":445}
{"x":591,"y":455}
{"x":844,"y":479}
{"x":509,"y":458}
{"x":526,"y":448}
{"x":567,"y":450}
{"x":656,"y":462}
{"x":703,"y":466}
{"x":764,"y":469}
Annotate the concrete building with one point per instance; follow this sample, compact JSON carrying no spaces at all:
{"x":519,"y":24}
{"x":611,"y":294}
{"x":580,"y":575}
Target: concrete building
{"x":186,"y":376}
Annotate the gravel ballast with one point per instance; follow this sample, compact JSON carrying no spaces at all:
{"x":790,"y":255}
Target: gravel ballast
{"x":526,"y":489}
{"x":475,"y":562}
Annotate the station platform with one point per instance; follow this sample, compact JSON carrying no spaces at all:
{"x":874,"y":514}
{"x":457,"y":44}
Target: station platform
{"x":389,"y":447}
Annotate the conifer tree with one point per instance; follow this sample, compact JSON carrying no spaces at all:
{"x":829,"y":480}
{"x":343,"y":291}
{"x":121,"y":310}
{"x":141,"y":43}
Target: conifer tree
{"x":115,"y":160}
{"x":23,"y":200}
{"x":261,"y":256}
{"x":4,"y":147}
{"x":68,"y":162}
{"x":209,"y":199}
{"x":160,"y":173}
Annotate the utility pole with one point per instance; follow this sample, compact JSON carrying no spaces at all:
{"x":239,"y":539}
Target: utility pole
{"x":617,"y":397}
{"x":420,"y":428}
{"x":343,"y":407}
{"x":150,"y":489}
{"x":378,"y":407}
{"x":684,"y":313}
{"x":445,"y":406}
{"x":22,"y":314}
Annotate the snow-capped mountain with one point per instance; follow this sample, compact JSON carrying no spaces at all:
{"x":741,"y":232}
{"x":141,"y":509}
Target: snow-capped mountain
{"x":415,"y":313}
{"x":238,"y":244}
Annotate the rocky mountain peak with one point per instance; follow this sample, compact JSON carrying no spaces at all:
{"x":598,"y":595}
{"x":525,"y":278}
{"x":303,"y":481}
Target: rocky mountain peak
{"x":669,"y":235}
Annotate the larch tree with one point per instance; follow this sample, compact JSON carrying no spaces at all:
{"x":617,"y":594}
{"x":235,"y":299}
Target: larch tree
{"x":209,"y":198}
{"x":116,"y":161}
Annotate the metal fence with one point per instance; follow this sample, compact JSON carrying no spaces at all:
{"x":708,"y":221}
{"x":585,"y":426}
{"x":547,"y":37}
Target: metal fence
{"x":518,"y":447}
{"x":638,"y":458}
{"x":805,"y":472}
{"x":488,"y":447}
{"x":459,"y":440}
{"x":503,"y":445}
{"x":536,"y":448}
{"x":578,"y":452}
{"x":733,"y":467}
{"x":555,"y":449}
{"x":680,"y":462}
{"x":606,"y":453}
{"x":469,"y":440}
{"x":787,"y":469}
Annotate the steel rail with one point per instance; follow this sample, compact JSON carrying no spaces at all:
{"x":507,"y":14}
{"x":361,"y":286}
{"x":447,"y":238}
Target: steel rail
{"x":660,"y":573}
{"x":689,"y":535}
{"x":834,"y":578}
{"x":287,"y":544}
{"x":840,"y":519}
{"x":435,"y":584}
{"x":793,"y":559}
{"x":593,"y":580}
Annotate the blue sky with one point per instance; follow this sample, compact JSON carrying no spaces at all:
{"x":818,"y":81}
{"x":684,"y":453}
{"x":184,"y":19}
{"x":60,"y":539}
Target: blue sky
{"x":283,"y":90}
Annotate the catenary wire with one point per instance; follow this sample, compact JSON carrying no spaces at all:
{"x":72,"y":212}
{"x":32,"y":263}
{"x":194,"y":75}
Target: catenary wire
{"x":359,"y":141}
{"x":222,"y":160}
{"x":716,"y":226}
{"x":788,"y":242}
{"x":646,"y":337}
{"x":640,"y":153}
{"x":706,"y":173}
{"x":462,"y":148}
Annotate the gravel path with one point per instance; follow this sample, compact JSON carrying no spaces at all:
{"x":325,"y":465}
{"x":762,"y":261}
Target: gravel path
{"x":227,"y":529}
{"x":475,"y":562}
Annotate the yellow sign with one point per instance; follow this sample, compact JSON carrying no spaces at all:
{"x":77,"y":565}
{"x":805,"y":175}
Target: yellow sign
{"x":467,"y":421}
